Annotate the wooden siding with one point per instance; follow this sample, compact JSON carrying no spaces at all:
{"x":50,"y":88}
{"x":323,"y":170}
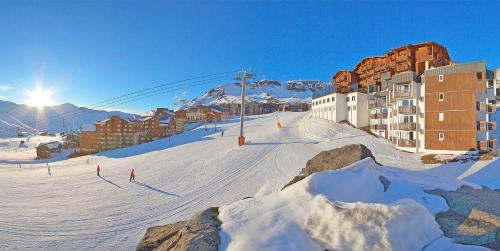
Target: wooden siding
{"x":459,"y":108}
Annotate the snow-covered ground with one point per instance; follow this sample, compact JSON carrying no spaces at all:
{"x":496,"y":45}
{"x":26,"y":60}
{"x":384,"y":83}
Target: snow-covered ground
{"x":176,"y":177}
{"x":11,"y":149}
{"x":346,"y":209}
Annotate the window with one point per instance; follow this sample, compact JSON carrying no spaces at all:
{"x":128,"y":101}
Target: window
{"x":441,"y":116}
{"x":333,"y":99}
{"x":353,"y":98}
{"x":441,"y":96}
{"x":348,"y":108}
{"x":328,"y":100}
{"x":441,"y":78}
{"x":441,"y":136}
{"x":421,"y":99}
{"x":347,"y":99}
{"x":354,"y":108}
{"x":479,"y":75}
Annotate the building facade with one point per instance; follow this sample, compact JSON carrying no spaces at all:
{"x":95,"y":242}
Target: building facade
{"x":428,"y":105}
{"x":117,"y":132}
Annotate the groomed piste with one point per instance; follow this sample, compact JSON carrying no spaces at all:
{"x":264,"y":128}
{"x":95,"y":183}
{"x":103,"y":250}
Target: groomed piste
{"x":73,"y":208}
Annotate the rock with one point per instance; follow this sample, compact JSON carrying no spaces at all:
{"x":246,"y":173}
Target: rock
{"x":473,"y":217}
{"x":385,"y":182}
{"x":333,"y":159}
{"x":201,"y":232}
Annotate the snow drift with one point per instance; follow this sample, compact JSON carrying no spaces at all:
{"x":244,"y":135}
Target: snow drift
{"x":345,"y":209}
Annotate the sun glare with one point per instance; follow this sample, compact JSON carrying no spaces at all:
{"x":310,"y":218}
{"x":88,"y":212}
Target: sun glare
{"x":39,"y":97}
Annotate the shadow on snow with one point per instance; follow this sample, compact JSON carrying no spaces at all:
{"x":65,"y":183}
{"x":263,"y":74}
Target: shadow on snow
{"x":154,"y":189}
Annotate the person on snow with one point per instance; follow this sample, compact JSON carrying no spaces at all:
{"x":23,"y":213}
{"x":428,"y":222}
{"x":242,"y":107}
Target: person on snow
{"x":48,"y":169}
{"x":222,"y":134}
{"x":98,"y":171}
{"x":132,"y":176}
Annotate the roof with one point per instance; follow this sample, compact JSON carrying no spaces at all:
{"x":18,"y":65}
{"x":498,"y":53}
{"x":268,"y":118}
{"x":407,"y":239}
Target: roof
{"x":457,"y":68}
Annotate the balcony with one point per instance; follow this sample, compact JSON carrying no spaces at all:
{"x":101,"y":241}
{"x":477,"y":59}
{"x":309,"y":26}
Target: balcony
{"x":378,"y":115}
{"x":379,"y":127}
{"x":490,"y":83}
{"x":481,"y":106}
{"x":492,"y":143}
{"x":377,"y":105}
{"x":492,"y":126}
{"x":482,"y":145}
{"x":407,"y":126}
{"x":402,"y":93}
{"x":407,"y":142}
{"x":402,"y":58}
{"x":482,"y":125}
{"x":492,"y":108}
{"x":407,"y":109}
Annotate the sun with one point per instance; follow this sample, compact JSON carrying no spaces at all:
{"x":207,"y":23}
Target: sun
{"x":39,"y":97}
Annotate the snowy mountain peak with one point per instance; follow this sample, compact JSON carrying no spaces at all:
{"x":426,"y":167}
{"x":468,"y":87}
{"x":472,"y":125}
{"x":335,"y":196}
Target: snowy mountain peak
{"x":263,"y":91}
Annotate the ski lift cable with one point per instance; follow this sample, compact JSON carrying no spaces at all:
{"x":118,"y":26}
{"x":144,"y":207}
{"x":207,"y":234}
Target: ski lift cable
{"x":130,"y":95}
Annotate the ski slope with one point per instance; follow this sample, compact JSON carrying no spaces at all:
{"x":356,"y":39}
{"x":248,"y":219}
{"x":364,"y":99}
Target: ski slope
{"x":73,"y":209}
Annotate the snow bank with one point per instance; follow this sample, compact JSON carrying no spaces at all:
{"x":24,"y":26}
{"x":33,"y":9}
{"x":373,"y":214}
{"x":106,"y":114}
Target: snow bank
{"x":403,"y":225}
{"x":345,"y":209}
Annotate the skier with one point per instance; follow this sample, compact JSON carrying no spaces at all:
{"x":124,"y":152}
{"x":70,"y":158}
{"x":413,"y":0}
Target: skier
{"x":88,"y":161}
{"x":48,"y":169}
{"x":132,"y":176}
{"x":222,"y":133}
{"x":98,"y":170}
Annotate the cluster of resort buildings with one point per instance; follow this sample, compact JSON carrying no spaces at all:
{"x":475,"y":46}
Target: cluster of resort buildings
{"x":418,"y":99}
{"x":116,"y":132}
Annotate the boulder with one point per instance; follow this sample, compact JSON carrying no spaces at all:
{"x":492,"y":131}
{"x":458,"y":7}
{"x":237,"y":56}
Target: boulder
{"x":333,"y":159}
{"x":201,"y":232}
{"x":473,"y":217}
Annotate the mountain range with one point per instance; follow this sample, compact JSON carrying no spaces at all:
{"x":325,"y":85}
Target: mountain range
{"x":264,"y":91}
{"x":17,"y":118}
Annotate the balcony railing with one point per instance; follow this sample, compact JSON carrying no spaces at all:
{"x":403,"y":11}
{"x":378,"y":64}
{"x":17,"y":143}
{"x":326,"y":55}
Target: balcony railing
{"x":492,"y":143}
{"x":481,"y":106}
{"x":407,"y":126}
{"x":379,"y":127}
{"x":407,"y":109}
{"x":482,"y":145}
{"x":407,"y":142}
{"x":377,"y":105}
{"x":482,"y":125}
{"x":378,"y":115}
{"x":402,"y":94}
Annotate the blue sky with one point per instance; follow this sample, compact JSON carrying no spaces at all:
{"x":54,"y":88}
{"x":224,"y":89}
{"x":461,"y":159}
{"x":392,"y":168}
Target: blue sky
{"x":89,"y":51}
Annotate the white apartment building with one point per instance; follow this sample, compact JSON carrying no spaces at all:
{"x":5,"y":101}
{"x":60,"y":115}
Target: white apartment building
{"x":357,"y":109}
{"x":331,"y":107}
{"x":336,"y":107}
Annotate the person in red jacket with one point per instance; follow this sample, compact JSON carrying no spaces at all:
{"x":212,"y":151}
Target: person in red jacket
{"x":132,"y":176}
{"x":98,"y":170}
